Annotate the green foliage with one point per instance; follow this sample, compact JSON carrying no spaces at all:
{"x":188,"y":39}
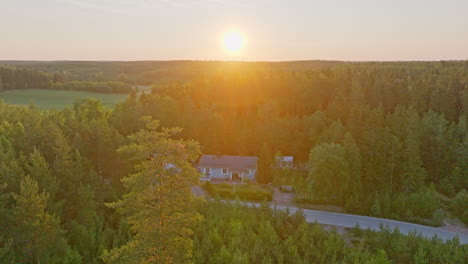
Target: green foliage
{"x":422,"y":206}
{"x":37,"y":235}
{"x":159,"y":205}
{"x":289,"y":176}
{"x":381,"y":139}
{"x":39,"y":170}
{"x":232,"y":233}
{"x":245,"y":192}
{"x":413,"y":248}
{"x":58,"y":206}
{"x":329,"y":173}
{"x":460,"y":205}
{"x":22,"y":78}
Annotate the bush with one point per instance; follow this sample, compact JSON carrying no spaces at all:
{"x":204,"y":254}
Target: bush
{"x":460,"y":206}
{"x":421,"y":207}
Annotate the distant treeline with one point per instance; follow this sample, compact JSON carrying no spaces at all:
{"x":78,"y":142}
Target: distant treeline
{"x":150,"y":72}
{"x":98,"y":87}
{"x":23,"y":78}
{"x":20,"y":78}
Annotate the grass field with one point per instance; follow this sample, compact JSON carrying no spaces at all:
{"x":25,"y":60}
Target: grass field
{"x":245,"y":192}
{"x":49,"y":99}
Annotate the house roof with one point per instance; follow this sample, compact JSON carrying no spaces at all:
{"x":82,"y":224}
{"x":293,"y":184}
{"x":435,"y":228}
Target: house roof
{"x":229,"y":162}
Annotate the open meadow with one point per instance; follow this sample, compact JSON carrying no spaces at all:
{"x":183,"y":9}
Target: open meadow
{"x":53,"y":99}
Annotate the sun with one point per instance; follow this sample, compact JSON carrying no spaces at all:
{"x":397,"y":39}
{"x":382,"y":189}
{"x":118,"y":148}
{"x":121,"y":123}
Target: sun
{"x":233,"y":41}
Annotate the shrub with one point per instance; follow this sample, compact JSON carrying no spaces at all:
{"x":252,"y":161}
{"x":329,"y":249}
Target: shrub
{"x":460,"y":205}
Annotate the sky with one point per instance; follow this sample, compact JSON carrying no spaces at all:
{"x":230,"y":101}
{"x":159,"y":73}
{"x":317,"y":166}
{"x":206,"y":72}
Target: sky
{"x":273,"y":30}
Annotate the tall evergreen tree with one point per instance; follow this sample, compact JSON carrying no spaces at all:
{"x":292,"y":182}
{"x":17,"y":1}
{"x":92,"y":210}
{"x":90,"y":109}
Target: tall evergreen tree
{"x":159,"y":204}
{"x":354,"y":194}
{"x":38,"y":169}
{"x":37,"y":236}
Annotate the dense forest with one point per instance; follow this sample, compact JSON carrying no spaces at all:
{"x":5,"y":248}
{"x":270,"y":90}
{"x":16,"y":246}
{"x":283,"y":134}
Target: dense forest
{"x":396,"y":130}
{"x":91,"y":185}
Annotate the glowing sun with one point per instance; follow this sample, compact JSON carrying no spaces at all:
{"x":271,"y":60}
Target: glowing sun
{"x":233,"y":41}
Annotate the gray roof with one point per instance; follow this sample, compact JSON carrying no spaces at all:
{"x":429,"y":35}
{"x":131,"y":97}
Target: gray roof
{"x":229,"y":162}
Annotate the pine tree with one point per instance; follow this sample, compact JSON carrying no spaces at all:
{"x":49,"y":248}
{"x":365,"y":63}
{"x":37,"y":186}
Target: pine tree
{"x":159,"y":204}
{"x":38,"y":169}
{"x":37,"y":236}
{"x":6,"y":221}
{"x":413,"y":172}
{"x":354,"y":195}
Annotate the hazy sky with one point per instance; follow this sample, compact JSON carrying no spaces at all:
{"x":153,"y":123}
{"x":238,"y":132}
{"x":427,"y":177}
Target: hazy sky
{"x":273,"y":29}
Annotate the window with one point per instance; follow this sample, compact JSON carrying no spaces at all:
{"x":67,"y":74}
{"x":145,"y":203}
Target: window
{"x":247,"y":172}
{"x":207,"y":171}
{"x":225,"y":171}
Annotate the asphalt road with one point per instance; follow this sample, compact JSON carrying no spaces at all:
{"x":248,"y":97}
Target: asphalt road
{"x":364,"y":222}
{"x":373,"y":223}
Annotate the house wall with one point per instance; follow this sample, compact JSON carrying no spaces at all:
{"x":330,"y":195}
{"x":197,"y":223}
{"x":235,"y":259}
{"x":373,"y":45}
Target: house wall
{"x":252,"y":175}
{"x":217,"y":173}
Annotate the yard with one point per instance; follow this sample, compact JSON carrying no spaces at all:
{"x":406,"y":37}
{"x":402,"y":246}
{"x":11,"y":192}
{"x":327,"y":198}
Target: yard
{"x":245,"y":192}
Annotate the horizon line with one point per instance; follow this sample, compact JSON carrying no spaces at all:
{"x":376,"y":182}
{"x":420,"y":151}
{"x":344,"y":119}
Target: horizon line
{"x":247,"y":61}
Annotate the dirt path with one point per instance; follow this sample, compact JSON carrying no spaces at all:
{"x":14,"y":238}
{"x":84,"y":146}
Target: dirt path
{"x":282,"y":198}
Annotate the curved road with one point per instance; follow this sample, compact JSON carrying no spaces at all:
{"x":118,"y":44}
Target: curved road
{"x":373,"y":223}
{"x":364,"y":222}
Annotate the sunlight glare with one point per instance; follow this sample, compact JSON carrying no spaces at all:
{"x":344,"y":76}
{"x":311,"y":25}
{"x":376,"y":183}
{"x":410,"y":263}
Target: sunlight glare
{"x":233,"y":42}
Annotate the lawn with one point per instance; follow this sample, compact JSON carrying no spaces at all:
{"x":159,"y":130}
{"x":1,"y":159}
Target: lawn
{"x":245,"y":192}
{"x":48,"y":99}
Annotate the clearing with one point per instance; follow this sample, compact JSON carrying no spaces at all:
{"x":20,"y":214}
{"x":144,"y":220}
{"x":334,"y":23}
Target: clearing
{"x":57,"y":99}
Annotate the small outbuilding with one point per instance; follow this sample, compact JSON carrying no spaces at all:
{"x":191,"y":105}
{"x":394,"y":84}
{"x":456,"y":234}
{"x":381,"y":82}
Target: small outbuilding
{"x":284,"y":161}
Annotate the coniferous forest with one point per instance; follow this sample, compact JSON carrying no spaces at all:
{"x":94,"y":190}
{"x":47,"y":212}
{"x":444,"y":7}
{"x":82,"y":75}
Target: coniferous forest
{"x":88,"y":184}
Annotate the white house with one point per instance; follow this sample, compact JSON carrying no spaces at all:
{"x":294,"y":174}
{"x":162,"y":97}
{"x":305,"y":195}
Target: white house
{"x":227,"y":167}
